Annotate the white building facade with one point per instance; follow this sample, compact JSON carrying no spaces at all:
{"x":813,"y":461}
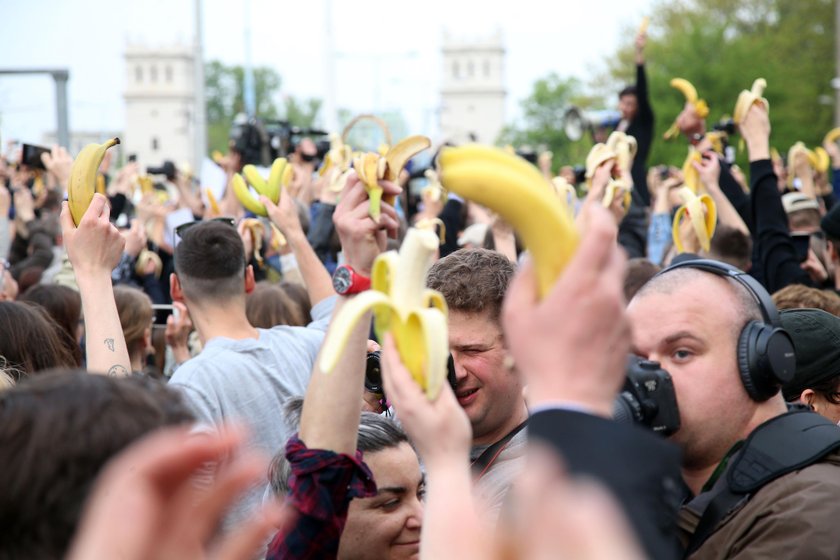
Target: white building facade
{"x":473,"y":89}
{"x":159,"y":104}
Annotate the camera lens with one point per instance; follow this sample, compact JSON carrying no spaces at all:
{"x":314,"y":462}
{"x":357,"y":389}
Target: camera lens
{"x":627,"y":409}
{"x":373,"y":373}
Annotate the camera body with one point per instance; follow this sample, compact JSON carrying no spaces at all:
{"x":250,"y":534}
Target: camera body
{"x":168,"y":169}
{"x":373,"y":373}
{"x":261,"y":142}
{"x":648,"y":398}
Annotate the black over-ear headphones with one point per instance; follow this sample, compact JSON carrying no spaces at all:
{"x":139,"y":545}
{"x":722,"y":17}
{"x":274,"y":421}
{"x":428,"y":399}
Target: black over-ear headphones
{"x":766,"y":359}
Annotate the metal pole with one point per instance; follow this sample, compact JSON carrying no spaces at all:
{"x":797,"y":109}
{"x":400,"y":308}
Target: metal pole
{"x":249,"y":95}
{"x":62,"y":126}
{"x":330,"y":112}
{"x":200,"y":109}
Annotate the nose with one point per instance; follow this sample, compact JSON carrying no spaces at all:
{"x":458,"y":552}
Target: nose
{"x":460,"y":370}
{"x":414,"y":521}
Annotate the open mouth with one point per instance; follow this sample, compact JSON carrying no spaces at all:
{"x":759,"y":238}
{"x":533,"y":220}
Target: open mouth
{"x":466,"y":396}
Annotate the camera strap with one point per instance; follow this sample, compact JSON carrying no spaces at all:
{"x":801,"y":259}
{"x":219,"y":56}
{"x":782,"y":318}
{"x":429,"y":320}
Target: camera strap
{"x":484,"y":461}
{"x":780,"y":446}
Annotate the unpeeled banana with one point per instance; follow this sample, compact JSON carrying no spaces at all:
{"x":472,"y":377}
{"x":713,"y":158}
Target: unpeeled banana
{"x":82,"y":183}
{"x":280,"y":176}
{"x":403,"y":306}
{"x":516,"y":190}
{"x":373,"y":167}
{"x":748,"y":98}
{"x":832,"y":136}
{"x":702,"y":212}
{"x":690,"y":93}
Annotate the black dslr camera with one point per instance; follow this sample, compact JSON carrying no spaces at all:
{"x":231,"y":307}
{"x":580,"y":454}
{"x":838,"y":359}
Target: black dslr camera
{"x":373,"y":373}
{"x":260,"y":142}
{"x":648,"y":398}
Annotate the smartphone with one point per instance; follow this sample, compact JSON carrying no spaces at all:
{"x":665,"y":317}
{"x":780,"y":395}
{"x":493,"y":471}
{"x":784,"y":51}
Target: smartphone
{"x":802,"y":244}
{"x":162,"y":313}
{"x":31,"y":156}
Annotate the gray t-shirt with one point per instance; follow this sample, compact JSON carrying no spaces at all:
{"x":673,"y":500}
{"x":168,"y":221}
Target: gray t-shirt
{"x":248,"y":381}
{"x":492,"y":488}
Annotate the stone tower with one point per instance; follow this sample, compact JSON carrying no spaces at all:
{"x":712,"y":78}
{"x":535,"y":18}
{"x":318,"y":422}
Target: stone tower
{"x":473,"y":88}
{"x":159,"y":104}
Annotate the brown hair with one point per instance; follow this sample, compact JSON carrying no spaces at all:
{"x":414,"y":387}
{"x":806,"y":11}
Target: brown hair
{"x":135,"y":310}
{"x":732,"y":246}
{"x":30,"y":340}
{"x":300,"y":297}
{"x":639,"y":271}
{"x":472,"y":280}
{"x":64,"y":305}
{"x":269,"y":305}
{"x":57,"y":431}
{"x":796,"y":296}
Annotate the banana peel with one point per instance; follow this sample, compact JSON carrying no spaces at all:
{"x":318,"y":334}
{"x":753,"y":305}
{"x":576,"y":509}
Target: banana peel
{"x":701,"y":108}
{"x":257,"y":230}
{"x":404,"y":307}
{"x":601,"y":153}
{"x":567,"y":193}
{"x":691,"y":177}
{"x":516,"y":190}
{"x":702,"y":212}
{"x":432,"y":224}
{"x":82,"y":183}
{"x":373,"y":167}
{"x":748,"y":98}
{"x":793,"y":154}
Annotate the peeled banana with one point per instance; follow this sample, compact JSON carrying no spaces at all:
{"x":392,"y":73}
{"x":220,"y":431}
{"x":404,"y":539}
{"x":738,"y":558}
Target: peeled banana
{"x":748,"y":98}
{"x":82,"y":184}
{"x":600,"y":153}
{"x":690,"y":93}
{"x":432,"y":224}
{"x":567,"y":194}
{"x":795,"y":151}
{"x":433,"y":191}
{"x":691,"y":177}
{"x":703,"y":222}
{"x":404,"y":307}
{"x":372,"y":167}
{"x":516,"y":190}
{"x":257,"y":230}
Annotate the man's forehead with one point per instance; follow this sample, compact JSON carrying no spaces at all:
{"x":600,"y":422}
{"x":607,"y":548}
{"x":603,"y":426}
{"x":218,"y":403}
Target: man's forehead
{"x":466,"y":328}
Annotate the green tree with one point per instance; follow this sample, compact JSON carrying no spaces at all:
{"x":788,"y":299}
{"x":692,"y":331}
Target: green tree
{"x":721,"y":46}
{"x":541,"y":125}
{"x":224,"y":90}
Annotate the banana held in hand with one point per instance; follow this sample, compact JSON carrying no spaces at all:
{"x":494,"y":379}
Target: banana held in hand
{"x":433,"y":191}
{"x":567,"y":194}
{"x":432,"y":224}
{"x":690,"y":93}
{"x":832,"y":136}
{"x":691,"y":177}
{"x":704,"y":223}
{"x":214,"y":204}
{"x":823,"y":160}
{"x":516,"y":190}
{"x":797,"y":150}
{"x":256,"y":230}
{"x":280,"y":176}
{"x":618,"y":187}
{"x":404,"y":307}
{"x":747,"y":99}
{"x":82,"y":183}
{"x":372,"y":167}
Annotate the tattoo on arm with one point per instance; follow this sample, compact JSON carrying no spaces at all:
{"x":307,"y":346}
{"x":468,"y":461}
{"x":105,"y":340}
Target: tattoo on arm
{"x":117,"y":371}
{"x":109,"y":342}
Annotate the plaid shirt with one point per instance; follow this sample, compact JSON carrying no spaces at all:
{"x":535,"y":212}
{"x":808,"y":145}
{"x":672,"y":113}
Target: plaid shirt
{"x":321,"y":486}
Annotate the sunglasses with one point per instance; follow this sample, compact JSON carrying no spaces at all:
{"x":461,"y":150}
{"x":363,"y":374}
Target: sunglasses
{"x":179,"y":231}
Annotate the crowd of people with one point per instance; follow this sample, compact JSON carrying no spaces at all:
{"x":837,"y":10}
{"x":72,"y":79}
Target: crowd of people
{"x":161,"y":394}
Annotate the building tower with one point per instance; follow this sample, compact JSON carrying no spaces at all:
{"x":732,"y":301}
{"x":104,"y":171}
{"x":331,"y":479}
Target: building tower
{"x":473,"y":89}
{"x":159,"y":104}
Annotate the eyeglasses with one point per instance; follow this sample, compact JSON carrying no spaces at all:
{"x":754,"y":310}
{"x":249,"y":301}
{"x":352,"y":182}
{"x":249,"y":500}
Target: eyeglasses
{"x":179,"y":231}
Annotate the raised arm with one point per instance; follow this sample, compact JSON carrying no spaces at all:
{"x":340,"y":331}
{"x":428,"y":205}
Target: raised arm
{"x":94,"y":249}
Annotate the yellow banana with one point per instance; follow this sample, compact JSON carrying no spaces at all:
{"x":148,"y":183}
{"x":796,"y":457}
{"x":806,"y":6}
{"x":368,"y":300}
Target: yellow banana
{"x":691,"y":177}
{"x":278,"y":240}
{"x":217,"y":157}
{"x":214,"y":204}
{"x":748,"y":98}
{"x":401,"y":305}
{"x":82,"y":183}
{"x":431,"y":224}
{"x":371,"y":167}
{"x":716,"y":138}
{"x":625,"y":148}
{"x":823,"y":160}
{"x":795,"y":151}
{"x":517,"y":191}
{"x":240,"y":189}
{"x":832,"y":136}
{"x":257,"y":230}
{"x":143,"y":260}
{"x":600,"y":153}
{"x":567,"y":194}
{"x":433,"y":191}
{"x":147,"y":186}
{"x":690,"y":93}
{"x":704,"y":223}
{"x":643,"y":27}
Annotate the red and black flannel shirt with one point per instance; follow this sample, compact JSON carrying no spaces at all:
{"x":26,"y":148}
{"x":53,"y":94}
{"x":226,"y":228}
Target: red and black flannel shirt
{"x":321,"y":486}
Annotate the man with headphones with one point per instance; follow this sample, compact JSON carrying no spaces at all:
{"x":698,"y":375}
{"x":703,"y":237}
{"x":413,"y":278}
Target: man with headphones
{"x":760,"y":476}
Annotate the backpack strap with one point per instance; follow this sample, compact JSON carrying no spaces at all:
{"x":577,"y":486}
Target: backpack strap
{"x":779,"y":446}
